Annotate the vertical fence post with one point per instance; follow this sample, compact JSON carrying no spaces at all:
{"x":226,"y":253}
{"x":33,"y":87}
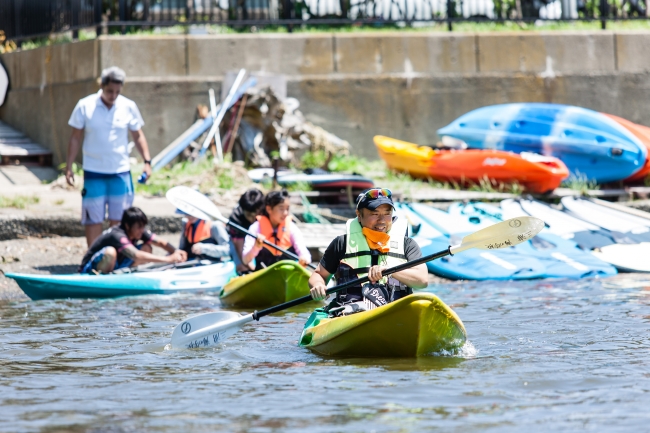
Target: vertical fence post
{"x":18,"y":20}
{"x":604,"y":11}
{"x":122,"y":14}
{"x":450,"y":14}
{"x":76,"y":10}
{"x":97,"y":9}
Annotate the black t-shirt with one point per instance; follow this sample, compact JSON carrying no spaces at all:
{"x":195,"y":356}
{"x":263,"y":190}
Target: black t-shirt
{"x":237,"y":217}
{"x":336,"y":250}
{"x":114,"y":237}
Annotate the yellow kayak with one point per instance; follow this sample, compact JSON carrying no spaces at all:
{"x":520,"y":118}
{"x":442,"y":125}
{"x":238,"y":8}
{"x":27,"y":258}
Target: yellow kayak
{"x":281,"y":282}
{"x":416,"y":325}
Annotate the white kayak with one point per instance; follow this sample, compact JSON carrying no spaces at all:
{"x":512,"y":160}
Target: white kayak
{"x":610,"y":219}
{"x":587,"y":236}
{"x":611,"y":247}
{"x":627,"y":258}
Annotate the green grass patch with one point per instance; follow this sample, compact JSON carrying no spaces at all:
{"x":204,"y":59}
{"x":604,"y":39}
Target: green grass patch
{"x":18,"y":201}
{"x":204,"y":175}
{"x":214,"y":29}
{"x":580,"y":183}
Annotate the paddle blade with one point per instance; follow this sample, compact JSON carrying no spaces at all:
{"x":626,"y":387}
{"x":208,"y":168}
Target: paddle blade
{"x":501,"y":235}
{"x":208,"y":329}
{"x":194,"y":203}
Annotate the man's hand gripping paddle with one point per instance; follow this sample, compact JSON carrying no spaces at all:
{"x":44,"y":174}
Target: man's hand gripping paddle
{"x":199,"y":206}
{"x":211,"y":328}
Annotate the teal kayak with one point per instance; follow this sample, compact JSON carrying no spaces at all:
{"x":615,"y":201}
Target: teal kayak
{"x":205,"y":278}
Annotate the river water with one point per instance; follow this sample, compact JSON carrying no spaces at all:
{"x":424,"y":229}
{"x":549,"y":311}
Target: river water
{"x":543,"y":356}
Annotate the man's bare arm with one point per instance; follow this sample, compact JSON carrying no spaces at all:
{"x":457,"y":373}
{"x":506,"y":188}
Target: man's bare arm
{"x":73,"y":150}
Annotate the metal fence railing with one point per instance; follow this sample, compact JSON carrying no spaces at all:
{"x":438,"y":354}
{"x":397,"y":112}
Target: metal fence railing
{"x":21,"y":19}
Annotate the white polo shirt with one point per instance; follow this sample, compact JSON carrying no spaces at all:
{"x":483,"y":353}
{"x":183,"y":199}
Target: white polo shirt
{"x":106,"y":132}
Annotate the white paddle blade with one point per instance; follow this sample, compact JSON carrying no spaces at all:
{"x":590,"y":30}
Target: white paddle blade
{"x":192,"y":202}
{"x":501,"y":235}
{"x":208,"y":329}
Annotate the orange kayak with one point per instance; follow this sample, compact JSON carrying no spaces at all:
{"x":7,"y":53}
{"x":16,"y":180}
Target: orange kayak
{"x":643,"y":134}
{"x":536,"y":173}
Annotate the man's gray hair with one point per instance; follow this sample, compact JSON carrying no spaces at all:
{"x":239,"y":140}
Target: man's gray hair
{"x":114,"y":75}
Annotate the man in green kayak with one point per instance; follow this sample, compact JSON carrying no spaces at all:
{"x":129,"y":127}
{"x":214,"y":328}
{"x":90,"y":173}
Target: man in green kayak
{"x":127,"y":245}
{"x":374,"y":241}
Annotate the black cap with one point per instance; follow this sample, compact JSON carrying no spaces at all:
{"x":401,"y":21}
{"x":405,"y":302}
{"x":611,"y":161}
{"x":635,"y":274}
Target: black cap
{"x":373,"y":203}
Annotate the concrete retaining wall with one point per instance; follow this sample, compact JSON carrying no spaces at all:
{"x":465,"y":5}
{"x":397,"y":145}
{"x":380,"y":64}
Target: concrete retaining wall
{"x":405,"y":85}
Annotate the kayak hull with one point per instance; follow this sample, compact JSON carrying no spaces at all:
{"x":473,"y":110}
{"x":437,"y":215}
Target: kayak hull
{"x":281,"y":282}
{"x":209,"y":278}
{"x":536,"y":174}
{"x":417,"y":325}
{"x":589,"y":143}
{"x":643,"y":134}
{"x":317,"y":181}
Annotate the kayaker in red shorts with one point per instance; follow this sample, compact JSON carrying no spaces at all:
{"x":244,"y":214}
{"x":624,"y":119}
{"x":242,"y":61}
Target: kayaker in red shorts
{"x":374,"y":241}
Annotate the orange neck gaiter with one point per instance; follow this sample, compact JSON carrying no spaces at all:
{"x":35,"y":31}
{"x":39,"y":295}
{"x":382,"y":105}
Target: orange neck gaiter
{"x":376,"y":240}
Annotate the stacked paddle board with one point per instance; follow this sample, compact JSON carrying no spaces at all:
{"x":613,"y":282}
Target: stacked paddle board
{"x":620,"y":243}
{"x":561,"y":257}
{"x":435,"y":230}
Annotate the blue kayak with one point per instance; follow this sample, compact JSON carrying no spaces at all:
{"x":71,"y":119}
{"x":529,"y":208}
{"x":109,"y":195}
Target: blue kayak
{"x":590,"y":144}
{"x":206,"y":278}
{"x":563,"y":258}
{"x":470,"y":264}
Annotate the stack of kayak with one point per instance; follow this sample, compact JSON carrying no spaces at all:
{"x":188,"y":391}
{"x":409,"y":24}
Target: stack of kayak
{"x":434,"y":230}
{"x":548,"y":255}
{"x":598,"y":147}
{"x":613,"y":236}
{"x":536,"y":173}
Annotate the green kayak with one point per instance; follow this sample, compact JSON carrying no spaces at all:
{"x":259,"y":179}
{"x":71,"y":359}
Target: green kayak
{"x":416,"y":325}
{"x":281,"y":282}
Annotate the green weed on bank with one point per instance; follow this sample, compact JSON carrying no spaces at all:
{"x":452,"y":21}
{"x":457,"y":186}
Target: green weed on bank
{"x":18,"y":202}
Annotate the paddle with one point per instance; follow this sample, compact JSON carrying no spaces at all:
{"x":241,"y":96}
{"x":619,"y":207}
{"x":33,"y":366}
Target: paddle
{"x":199,"y":206}
{"x":211,"y":328}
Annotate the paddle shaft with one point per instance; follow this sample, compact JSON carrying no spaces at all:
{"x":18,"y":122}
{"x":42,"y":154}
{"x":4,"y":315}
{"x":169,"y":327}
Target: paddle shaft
{"x":258,"y":314}
{"x":283,"y":251}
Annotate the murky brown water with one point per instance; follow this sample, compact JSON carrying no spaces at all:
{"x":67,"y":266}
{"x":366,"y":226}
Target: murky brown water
{"x":546,"y":356}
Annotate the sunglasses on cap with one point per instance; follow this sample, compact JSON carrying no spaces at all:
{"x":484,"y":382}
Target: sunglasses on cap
{"x":374,"y":193}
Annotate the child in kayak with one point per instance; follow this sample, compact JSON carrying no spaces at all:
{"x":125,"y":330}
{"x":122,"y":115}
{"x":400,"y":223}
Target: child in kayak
{"x":374,"y":241}
{"x":276,"y":226}
{"x":251,"y":204}
{"x":204,"y":239}
{"x":127,"y":245}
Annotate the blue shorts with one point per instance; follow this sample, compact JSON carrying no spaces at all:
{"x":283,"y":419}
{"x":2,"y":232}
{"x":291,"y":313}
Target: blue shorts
{"x":99,"y":255}
{"x":102,"y":191}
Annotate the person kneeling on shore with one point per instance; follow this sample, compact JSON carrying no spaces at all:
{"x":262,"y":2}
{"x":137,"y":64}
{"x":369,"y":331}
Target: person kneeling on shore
{"x":374,"y":241}
{"x":204,"y":239}
{"x":127,"y":245}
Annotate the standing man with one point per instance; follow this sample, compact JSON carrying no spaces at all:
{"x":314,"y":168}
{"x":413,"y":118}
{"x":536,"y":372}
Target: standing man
{"x":103,"y":120}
